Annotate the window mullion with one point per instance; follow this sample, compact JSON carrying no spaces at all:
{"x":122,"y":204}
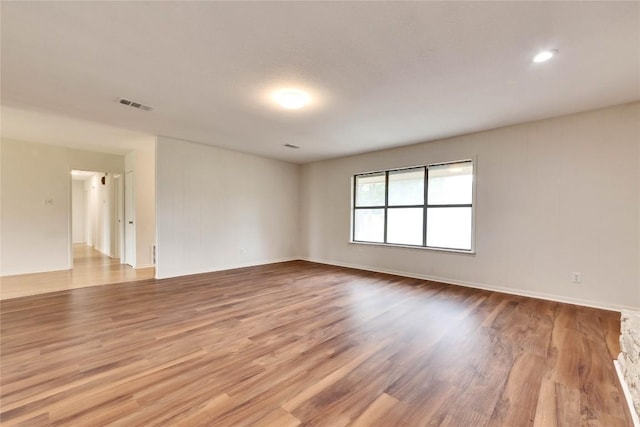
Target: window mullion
{"x":353,"y":213}
{"x":386,"y":203}
{"x":424,"y":207}
{"x":449,"y":206}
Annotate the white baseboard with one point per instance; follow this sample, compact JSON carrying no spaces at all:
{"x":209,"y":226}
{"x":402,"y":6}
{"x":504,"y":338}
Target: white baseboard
{"x":627,"y":394}
{"x":224,"y":267}
{"x":475,"y":285}
{"x":36,"y":271}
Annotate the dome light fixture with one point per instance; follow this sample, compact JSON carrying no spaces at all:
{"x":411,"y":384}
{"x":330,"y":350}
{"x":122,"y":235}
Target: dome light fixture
{"x":291,"y":99}
{"x":545,"y":55}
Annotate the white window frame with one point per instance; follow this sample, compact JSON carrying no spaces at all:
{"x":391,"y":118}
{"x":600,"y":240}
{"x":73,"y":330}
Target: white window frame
{"x":424,"y":206}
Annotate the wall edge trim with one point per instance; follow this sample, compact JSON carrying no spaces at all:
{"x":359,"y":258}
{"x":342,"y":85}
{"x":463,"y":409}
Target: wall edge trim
{"x":627,"y":394}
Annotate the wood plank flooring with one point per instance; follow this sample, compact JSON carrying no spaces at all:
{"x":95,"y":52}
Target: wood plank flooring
{"x":299,"y":343}
{"x":90,"y":268}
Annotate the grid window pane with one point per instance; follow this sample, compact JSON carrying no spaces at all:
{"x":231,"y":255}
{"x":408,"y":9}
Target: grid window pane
{"x":389,"y":206}
{"x":449,"y":228}
{"x":368,"y":225}
{"x":404,"y":226}
{"x":451,"y":184}
{"x":406,"y":187}
{"x":370,"y":190}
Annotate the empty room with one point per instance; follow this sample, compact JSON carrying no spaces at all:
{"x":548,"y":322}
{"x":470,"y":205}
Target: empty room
{"x":320,"y":213}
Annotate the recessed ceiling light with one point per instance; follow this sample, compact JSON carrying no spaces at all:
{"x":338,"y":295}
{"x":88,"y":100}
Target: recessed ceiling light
{"x":291,"y":99}
{"x":545,"y":55}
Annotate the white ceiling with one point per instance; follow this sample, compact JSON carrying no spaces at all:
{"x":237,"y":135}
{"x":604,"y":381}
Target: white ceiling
{"x":47,"y":128}
{"x":381,"y":74}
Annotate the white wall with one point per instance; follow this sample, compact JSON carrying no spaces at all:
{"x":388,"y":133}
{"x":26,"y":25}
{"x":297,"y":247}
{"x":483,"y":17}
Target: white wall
{"x":219,"y":209}
{"x":143,"y":164}
{"x":78,"y":205}
{"x":553,"y":197}
{"x":36,"y":236}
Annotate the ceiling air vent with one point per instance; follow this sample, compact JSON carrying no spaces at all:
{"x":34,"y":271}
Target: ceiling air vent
{"x":291,"y":146}
{"x":134,"y":104}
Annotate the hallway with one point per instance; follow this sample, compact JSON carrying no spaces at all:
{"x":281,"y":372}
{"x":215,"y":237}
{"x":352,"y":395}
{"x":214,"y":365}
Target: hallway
{"x":90,"y":268}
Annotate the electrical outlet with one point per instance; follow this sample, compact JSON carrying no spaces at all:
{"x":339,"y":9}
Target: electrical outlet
{"x":576,"y":277}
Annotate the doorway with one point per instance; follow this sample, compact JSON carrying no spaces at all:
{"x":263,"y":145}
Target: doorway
{"x":95,"y":217}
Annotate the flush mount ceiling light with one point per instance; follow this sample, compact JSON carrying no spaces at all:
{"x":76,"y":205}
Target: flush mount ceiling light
{"x":545,"y":55}
{"x":291,"y":99}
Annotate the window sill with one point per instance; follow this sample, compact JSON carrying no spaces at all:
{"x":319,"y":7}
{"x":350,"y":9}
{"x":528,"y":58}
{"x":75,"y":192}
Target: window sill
{"x":420,"y":248}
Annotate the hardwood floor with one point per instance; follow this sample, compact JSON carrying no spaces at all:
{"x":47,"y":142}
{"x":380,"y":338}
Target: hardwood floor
{"x":305,"y":344}
{"x":90,"y":268}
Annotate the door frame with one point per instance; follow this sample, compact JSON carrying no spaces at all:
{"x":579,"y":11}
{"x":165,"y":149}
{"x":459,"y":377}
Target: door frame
{"x":132,"y":238}
{"x":118,"y":204}
{"x":118,"y":187}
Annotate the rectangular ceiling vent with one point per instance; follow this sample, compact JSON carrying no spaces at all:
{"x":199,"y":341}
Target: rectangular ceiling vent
{"x":134,"y":104}
{"x":291,"y":146}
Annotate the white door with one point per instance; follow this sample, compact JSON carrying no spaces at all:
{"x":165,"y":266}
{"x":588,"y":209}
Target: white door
{"x":129,"y":217}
